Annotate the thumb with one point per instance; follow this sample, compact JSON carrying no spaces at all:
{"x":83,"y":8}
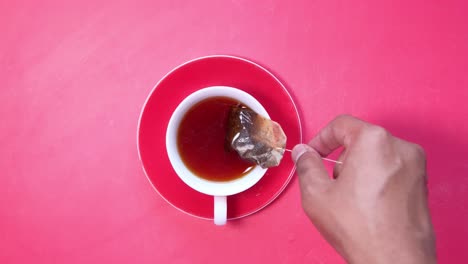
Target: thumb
{"x":312,"y":173}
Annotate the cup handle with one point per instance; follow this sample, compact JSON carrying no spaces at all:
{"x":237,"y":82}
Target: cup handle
{"x":220,"y":210}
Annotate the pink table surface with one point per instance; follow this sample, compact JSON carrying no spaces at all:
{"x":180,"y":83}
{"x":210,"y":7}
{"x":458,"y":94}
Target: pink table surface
{"x":75,"y":75}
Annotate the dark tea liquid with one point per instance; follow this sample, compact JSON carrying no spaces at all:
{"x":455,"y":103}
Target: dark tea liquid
{"x":201,"y":141}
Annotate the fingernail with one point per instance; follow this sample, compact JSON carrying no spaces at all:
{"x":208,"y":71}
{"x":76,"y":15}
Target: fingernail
{"x":300,"y":150}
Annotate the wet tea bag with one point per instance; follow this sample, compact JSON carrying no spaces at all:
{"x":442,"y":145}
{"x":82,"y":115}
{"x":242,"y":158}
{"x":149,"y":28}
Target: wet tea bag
{"x":255,"y":138}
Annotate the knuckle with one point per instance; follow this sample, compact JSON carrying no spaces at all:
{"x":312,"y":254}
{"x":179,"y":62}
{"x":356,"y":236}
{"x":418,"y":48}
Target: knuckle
{"x":343,"y":117}
{"x":420,"y":151}
{"x":377,"y":133}
{"x":398,"y":163}
{"x":302,"y":168}
{"x":417,"y":153}
{"x":416,"y":160}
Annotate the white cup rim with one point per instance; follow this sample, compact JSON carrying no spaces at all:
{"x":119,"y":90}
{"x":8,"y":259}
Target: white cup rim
{"x":188,"y":177}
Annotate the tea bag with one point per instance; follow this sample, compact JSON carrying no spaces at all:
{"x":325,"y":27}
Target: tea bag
{"x":255,"y":138}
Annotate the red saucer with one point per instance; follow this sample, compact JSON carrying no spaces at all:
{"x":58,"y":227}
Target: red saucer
{"x":184,"y":80}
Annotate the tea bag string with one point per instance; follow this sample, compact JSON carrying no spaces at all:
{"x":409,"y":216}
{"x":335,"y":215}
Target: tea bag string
{"x":327,"y":159}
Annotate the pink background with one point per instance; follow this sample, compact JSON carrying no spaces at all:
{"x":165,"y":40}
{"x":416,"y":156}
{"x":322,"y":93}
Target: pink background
{"x":74,"y":77}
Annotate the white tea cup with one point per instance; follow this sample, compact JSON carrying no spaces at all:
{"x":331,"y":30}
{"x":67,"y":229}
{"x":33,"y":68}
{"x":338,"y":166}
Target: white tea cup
{"x":218,"y":189}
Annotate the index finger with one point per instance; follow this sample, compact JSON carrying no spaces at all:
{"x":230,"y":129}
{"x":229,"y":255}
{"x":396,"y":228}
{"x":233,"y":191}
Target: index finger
{"x":339,"y":132}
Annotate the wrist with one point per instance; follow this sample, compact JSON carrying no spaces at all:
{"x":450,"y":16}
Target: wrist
{"x":390,"y":256}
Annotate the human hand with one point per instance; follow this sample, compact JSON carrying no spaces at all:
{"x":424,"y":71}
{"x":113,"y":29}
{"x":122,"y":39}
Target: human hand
{"x":375,"y":209}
